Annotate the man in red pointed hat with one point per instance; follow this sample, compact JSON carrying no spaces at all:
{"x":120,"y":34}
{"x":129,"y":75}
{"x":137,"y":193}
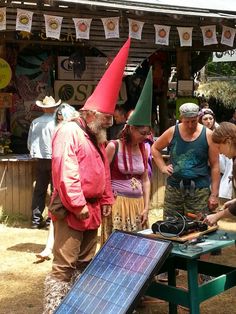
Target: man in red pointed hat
{"x":81,"y":180}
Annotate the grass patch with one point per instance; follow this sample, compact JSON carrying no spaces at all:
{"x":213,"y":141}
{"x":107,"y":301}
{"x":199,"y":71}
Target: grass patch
{"x":14,"y":220}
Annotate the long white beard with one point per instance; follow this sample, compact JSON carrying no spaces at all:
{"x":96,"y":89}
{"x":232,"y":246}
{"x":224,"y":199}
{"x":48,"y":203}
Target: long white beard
{"x":100,"y":133}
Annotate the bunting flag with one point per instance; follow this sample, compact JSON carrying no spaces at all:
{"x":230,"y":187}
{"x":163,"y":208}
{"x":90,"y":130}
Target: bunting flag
{"x":185,"y":36}
{"x":209,"y":35}
{"x":24,"y":20}
{"x":53,"y":26}
{"x":135,"y":29}
{"x":3,"y":20}
{"x":111,"y":27}
{"x":82,"y":27}
{"x":227,"y":37}
{"x":162,"y":33}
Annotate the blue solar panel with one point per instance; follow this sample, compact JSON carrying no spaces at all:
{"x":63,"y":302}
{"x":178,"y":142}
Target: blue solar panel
{"x":117,"y":276}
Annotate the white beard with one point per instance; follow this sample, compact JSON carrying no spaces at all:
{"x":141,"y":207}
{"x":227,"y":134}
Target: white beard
{"x":100,"y":133}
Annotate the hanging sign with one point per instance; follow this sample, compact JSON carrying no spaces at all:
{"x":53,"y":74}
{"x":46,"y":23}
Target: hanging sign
{"x":5,"y":73}
{"x":82,"y":27}
{"x":224,"y":56}
{"x":24,"y":20}
{"x":135,"y":29}
{"x":162,"y":33}
{"x":227,"y":37}
{"x":209,"y":35}
{"x":111,"y":27}
{"x":77,"y":92}
{"x":53,"y":26}
{"x":185,"y":36}
{"x":3,"y":19}
{"x":95,"y":68}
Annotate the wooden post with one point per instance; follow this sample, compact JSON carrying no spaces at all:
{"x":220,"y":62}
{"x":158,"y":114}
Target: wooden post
{"x":183,"y":63}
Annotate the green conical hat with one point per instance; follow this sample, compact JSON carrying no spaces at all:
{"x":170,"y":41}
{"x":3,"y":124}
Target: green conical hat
{"x":143,"y":110}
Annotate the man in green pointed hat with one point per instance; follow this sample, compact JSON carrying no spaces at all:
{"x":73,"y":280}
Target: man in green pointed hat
{"x":128,"y":159}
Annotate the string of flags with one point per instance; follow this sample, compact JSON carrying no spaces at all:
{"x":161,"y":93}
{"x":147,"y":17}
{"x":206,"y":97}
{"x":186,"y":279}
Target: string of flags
{"x":53,"y":26}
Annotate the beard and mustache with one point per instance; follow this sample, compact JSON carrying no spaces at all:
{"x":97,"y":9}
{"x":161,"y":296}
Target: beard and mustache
{"x":99,"y":131}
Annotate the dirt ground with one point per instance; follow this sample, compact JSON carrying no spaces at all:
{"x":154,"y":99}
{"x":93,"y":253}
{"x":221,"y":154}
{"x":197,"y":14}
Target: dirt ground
{"x":21,"y":279}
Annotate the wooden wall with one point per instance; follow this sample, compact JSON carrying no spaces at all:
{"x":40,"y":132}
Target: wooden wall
{"x":17,"y":178}
{"x":16,"y":186}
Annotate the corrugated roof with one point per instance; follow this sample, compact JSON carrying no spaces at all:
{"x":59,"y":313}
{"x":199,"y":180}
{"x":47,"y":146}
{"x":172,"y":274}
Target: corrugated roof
{"x":217,"y":8}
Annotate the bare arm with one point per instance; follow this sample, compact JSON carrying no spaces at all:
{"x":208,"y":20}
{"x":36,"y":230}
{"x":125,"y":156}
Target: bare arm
{"x":146,"y":195}
{"x":162,"y":142}
{"x":228,"y":211}
{"x":215,"y":171}
{"x":110,"y":151}
{"x":213,"y":218}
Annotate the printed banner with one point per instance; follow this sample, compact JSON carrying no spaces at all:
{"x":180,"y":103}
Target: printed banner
{"x":111,"y":27}
{"x":3,"y":20}
{"x":95,"y":68}
{"x":53,"y":26}
{"x":24,"y":20}
{"x":185,"y":36}
{"x":82,"y":27}
{"x":77,"y":92}
{"x":224,"y":56}
{"x":135,"y":29}
{"x":33,"y":81}
{"x":209,"y":35}
{"x":162,"y":33}
{"x":227,"y":37}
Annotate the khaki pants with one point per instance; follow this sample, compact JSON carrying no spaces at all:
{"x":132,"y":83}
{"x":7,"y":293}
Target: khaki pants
{"x":72,"y":251}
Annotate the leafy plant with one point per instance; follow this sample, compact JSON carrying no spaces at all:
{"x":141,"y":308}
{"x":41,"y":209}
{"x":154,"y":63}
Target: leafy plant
{"x":223,"y":91}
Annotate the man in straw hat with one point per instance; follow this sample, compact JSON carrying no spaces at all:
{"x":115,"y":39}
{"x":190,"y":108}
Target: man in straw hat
{"x":40,"y":147}
{"x":81,"y":178}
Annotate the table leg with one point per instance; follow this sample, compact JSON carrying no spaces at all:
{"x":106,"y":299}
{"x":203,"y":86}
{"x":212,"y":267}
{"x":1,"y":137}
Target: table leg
{"x":192,"y":270}
{"x":172,"y":282}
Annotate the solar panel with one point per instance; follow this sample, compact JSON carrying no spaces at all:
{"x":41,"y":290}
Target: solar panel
{"x":117,"y":276}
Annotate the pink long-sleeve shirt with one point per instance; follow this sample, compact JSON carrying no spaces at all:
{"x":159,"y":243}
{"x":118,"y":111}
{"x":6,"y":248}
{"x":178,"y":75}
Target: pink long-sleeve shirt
{"x":79,"y":174}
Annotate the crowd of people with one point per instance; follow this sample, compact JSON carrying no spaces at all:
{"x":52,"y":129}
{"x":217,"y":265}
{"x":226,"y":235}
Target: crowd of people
{"x":101,"y":174}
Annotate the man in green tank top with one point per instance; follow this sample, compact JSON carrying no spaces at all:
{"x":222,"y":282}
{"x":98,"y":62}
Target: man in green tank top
{"x":190,"y":188}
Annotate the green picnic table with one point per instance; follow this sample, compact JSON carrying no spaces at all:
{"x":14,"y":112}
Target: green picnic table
{"x":224,"y":277}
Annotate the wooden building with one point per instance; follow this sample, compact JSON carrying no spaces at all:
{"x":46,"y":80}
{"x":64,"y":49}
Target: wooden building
{"x":17,"y":172}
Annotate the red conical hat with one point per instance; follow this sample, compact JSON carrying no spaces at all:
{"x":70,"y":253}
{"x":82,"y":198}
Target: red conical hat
{"x":105,"y":95}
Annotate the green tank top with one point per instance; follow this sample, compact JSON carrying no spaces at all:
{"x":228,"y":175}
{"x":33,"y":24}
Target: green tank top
{"x":189,"y":160}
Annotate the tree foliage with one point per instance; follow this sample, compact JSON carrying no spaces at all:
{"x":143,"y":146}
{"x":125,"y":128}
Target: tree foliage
{"x":223,"y":91}
{"x":220,"y":84}
{"x":219,"y":69}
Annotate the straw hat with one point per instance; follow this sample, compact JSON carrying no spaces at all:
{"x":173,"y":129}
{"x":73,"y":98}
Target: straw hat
{"x":48,"y":102}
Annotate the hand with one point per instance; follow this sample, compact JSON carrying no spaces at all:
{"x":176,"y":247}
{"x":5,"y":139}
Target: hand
{"x":167,"y":169}
{"x":106,"y":210}
{"x":83,"y":214}
{"x":231,"y":203}
{"x":213,"y":202}
{"x":144,"y":217}
{"x":211,"y":219}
